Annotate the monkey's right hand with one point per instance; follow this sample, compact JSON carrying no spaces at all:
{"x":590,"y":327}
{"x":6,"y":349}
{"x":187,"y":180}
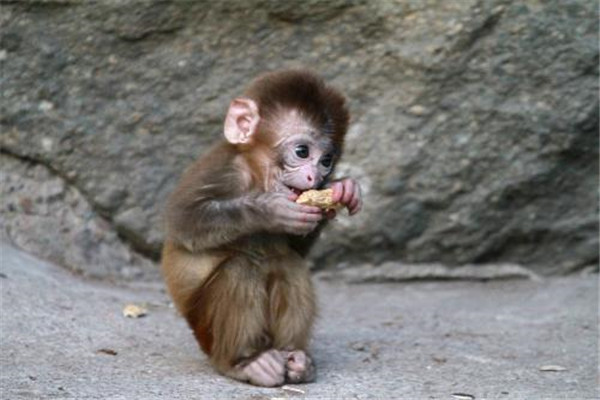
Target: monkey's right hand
{"x":282,"y":214}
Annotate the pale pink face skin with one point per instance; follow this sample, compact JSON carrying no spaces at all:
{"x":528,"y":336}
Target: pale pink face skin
{"x":307,"y":155}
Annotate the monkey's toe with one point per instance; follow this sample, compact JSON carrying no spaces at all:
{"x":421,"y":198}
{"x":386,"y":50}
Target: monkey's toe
{"x":268,"y":369}
{"x":299,"y":367}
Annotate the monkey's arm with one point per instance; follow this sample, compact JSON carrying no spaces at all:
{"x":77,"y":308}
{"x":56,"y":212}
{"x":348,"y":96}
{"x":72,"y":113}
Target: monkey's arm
{"x":208,"y":222}
{"x":205,"y":221}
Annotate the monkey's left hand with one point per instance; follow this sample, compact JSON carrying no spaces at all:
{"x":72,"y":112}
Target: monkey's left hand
{"x":347,"y":193}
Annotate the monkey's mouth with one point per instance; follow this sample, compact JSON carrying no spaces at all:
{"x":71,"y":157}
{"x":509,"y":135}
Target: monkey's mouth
{"x":297,"y":192}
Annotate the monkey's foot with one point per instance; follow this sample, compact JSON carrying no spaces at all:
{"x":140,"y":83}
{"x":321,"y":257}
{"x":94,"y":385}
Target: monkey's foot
{"x":268,"y":369}
{"x":299,"y":367}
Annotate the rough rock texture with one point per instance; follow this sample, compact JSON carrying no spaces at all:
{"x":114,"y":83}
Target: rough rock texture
{"x":475,"y":123}
{"x":399,"y":272}
{"x":48,"y":217}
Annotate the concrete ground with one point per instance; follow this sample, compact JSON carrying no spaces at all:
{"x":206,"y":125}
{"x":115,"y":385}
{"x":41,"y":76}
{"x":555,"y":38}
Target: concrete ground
{"x":65,"y":337}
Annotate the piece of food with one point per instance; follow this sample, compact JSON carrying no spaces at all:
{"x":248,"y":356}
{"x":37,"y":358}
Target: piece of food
{"x":134,"y":311}
{"x":319,"y":198}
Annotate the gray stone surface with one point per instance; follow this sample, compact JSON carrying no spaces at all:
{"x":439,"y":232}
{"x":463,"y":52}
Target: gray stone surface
{"x":400,"y":272}
{"x":419,"y":340}
{"x":48,"y":217}
{"x":474,"y":127}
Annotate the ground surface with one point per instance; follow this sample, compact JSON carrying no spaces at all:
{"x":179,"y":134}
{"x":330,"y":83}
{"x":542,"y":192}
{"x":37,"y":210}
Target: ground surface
{"x":418,"y":340}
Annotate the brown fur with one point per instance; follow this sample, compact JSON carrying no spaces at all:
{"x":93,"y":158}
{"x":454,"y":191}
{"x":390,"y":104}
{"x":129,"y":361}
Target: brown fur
{"x":302,"y":90}
{"x":243,"y":290}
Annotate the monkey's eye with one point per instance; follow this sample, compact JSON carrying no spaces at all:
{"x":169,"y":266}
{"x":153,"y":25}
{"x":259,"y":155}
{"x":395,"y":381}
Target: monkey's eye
{"x":302,"y":151}
{"x":327,"y":161}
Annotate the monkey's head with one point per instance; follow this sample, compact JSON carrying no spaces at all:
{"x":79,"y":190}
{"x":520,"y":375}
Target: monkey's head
{"x":291,"y":125}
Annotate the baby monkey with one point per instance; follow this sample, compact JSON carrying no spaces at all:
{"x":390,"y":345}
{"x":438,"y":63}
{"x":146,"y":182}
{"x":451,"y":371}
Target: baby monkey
{"x":233,"y":259}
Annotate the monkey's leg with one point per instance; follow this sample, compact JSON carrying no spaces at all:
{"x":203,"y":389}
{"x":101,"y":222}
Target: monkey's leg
{"x":185,"y":271}
{"x":229,"y":316}
{"x":292,"y":312}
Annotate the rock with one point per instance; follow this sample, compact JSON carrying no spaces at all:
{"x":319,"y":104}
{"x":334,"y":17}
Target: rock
{"x":400,"y":272}
{"x":45,"y":216}
{"x":474,"y":130}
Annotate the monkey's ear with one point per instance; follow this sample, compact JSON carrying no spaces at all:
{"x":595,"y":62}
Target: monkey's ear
{"x":241,"y":120}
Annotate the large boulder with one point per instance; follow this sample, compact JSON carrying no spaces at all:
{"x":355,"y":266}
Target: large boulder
{"x":474,"y":132}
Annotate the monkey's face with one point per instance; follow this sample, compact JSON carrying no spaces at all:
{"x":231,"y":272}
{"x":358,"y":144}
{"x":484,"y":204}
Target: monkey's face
{"x":306,"y":155}
{"x":306,"y":160}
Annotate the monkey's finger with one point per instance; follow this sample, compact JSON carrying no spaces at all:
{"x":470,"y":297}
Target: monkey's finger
{"x":255,"y":370}
{"x":338,"y":191}
{"x":348,"y":191}
{"x":311,"y":217}
{"x":259,"y":376}
{"x":279,"y":356}
{"x":356,"y":199}
{"x":305,"y":209}
{"x":276,"y":362}
{"x":274,"y":358}
{"x":267,"y":364}
{"x":304,"y":225}
{"x":356,"y":209}
{"x":255,"y":373}
{"x":271,"y":364}
{"x":305,"y":217}
{"x":353,"y":200}
{"x":291,"y":218}
{"x":353,"y":207}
